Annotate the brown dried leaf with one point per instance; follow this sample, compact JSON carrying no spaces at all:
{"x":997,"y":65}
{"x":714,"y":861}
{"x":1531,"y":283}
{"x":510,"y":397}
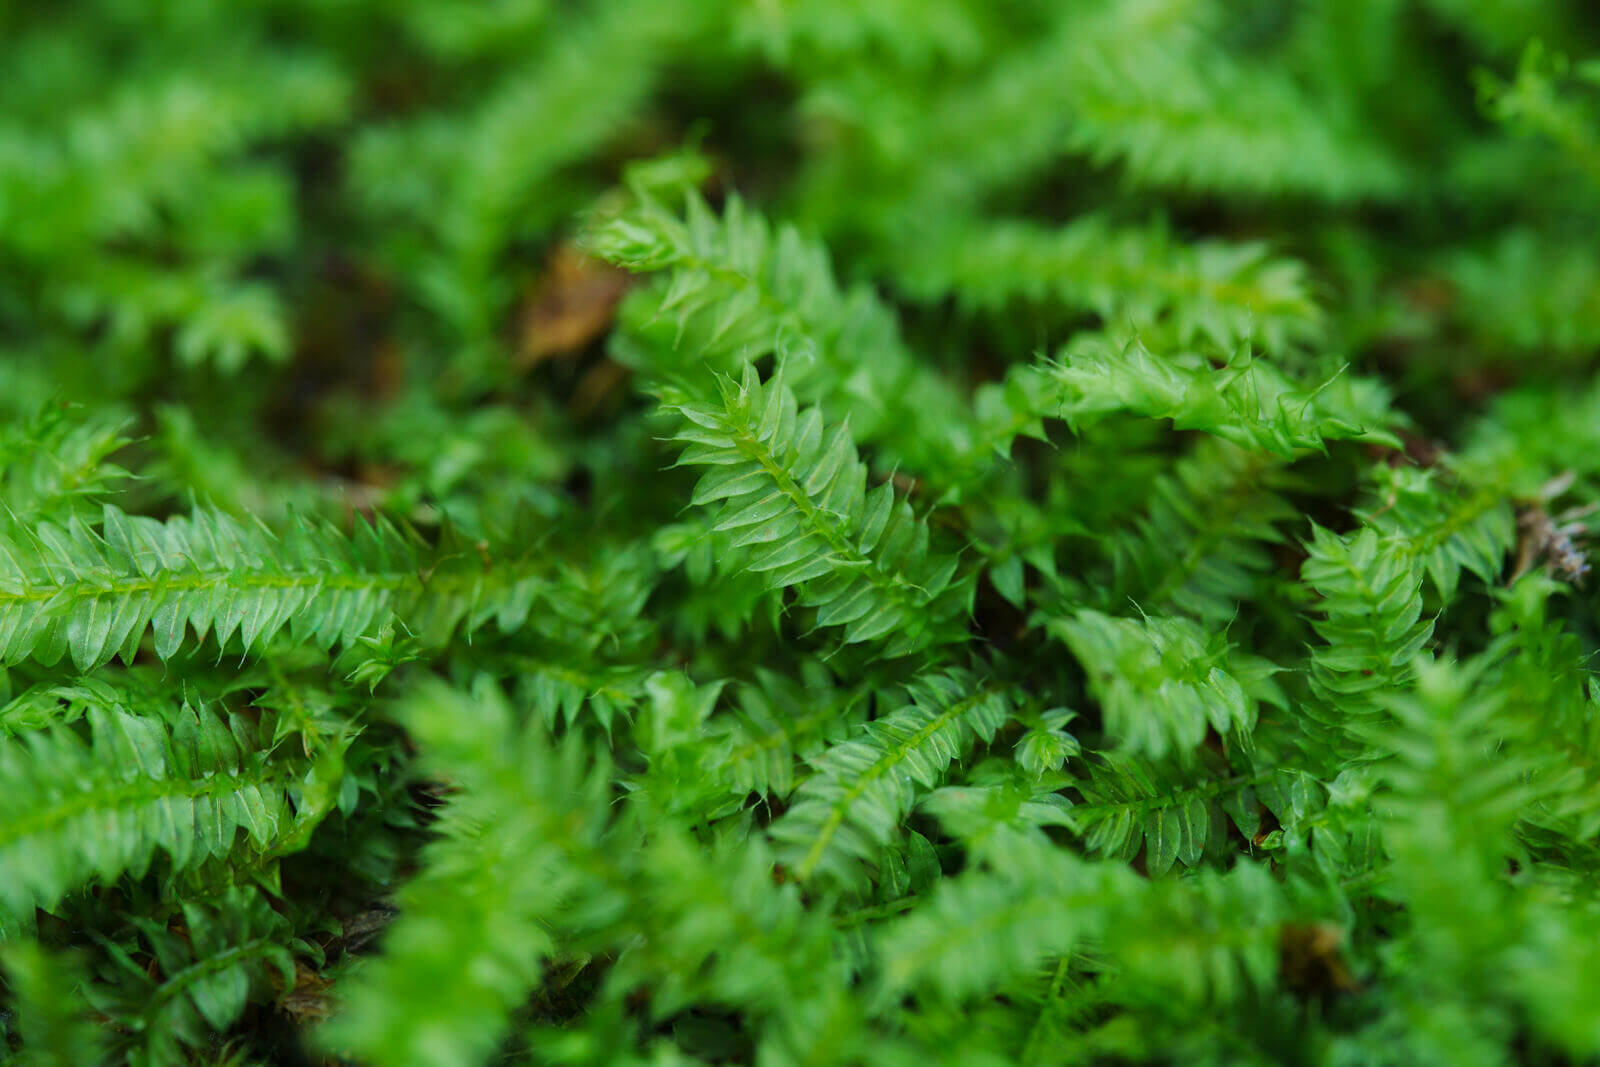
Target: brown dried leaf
{"x":308,"y":1002}
{"x":572,"y":304}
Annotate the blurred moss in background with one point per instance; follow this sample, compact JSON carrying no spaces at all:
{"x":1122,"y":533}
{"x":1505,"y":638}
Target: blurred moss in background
{"x":299,"y":208}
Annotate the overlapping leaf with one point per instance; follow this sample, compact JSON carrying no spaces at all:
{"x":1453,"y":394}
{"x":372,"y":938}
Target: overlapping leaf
{"x":77,"y":811}
{"x":861,"y":790}
{"x":794,"y":490}
{"x":67,"y":590}
{"x":1247,"y":401}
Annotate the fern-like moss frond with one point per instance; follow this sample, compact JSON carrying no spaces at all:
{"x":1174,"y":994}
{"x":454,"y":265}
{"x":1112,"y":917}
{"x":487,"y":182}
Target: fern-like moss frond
{"x":1129,"y":276}
{"x":51,"y":1019}
{"x":58,"y":462}
{"x":1126,"y":803}
{"x":145,"y":191}
{"x":1181,"y":112}
{"x":1450,"y":796}
{"x":776,"y":722}
{"x":796,"y":491}
{"x":1450,"y":528}
{"x":1535,"y":101}
{"x":195,"y":977}
{"x":738,"y":289}
{"x":1372,"y":624}
{"x":861,"y":790}
{"x":1041,"y":903}
{"x":1204,"y":544}
{"x":1034,"y":903}
{"x":1247,"y":402}
{"x":69,"y":590}
{"x":1161,"y":682}
{"x":80,"y":811}
{"x":473,"y":938}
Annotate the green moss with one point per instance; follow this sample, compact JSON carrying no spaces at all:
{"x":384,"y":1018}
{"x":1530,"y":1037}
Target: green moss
{"x":799,"y":532}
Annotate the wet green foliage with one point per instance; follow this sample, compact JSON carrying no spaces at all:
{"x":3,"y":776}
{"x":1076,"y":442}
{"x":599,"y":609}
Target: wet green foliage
{"x":799,"y":532}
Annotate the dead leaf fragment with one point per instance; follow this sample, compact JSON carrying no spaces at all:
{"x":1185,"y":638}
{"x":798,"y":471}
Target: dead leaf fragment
{"x":571,"y":305}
